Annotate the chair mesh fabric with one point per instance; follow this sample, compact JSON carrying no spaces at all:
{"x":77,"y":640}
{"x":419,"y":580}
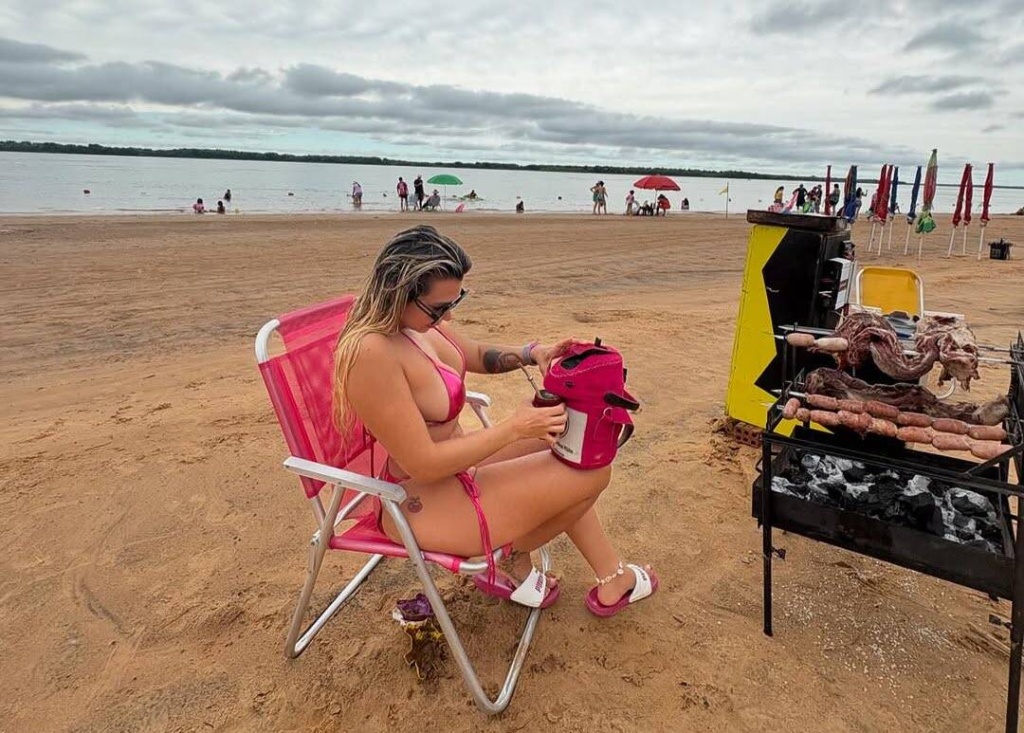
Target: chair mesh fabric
{"x":300,"y":383}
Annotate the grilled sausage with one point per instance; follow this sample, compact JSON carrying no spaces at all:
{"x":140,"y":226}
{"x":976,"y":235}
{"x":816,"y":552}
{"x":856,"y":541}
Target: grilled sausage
{"x":914,"y":420}
{"x":825,"y":418}
{"x":987,"y":449}
{"x":912,"y":434}
{"x":882,"y":427}
{"x":803,"y":414}
{"x":823,"y":402}
{"x":987,"y":432}
{"x":949,"y":425}
{"x":882,"y":410}
{"x":803,"y":340}
{"x":832,"y":344}
{"x":859,"y":422}
{"x":949,"y":441}
{"x":792,"y":405}
{"x":855,"y":406}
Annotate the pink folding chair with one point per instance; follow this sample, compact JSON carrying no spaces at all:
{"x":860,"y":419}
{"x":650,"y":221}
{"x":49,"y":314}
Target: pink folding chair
{"x":299,"y":382}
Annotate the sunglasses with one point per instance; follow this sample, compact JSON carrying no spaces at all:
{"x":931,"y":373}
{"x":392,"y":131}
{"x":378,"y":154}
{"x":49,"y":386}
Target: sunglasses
{"x":437,"y":312}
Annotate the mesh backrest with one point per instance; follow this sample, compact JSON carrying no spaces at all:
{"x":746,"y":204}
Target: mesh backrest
{"x":300,"y":384}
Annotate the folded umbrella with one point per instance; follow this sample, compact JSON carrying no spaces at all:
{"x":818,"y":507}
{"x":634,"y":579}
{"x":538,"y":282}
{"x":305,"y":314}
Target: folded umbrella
{"x":958,"y":211}
{"x":912,"y":212}
{"x":985,"y":200}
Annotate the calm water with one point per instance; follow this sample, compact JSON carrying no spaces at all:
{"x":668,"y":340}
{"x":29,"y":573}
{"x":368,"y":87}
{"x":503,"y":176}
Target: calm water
{"x":39,"y":183}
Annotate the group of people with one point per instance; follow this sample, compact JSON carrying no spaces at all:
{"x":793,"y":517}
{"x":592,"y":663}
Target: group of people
{"x":660,"y":206}
{"x":200,"y":208}
{"x":420,"y":200}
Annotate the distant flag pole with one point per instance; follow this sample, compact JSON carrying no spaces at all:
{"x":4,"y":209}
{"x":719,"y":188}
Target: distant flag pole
{"x":726,"y":192}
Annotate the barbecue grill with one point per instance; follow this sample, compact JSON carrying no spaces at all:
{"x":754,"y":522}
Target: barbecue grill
{"x":962,"y":528}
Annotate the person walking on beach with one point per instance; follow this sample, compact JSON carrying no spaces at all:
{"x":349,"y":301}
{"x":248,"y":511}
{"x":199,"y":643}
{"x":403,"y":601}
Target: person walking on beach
{"x":801,"y":197}
{"x":600,"y":198}
{"x":630,"y":203}
{"x":417,"y":186}
{"x":833,"y":200}
{"x":403,"y":194}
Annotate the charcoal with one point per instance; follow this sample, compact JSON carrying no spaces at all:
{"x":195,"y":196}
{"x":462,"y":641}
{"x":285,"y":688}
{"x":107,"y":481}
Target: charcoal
{"x":927,"y":505}
{"x":970,"y":502}
{"x":855,"y":473}
{"x":983,"y":544}
{"x":809,"y":461}
{"x":990,"y":530}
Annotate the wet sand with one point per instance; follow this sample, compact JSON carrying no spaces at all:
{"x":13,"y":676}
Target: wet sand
{"x":153,"y":547}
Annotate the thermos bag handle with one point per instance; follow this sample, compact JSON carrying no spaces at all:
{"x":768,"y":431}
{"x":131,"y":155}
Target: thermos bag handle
{"x":626,"y":434}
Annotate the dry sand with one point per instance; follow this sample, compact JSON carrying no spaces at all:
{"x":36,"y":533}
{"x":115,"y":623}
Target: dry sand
{"x":153,"y":547}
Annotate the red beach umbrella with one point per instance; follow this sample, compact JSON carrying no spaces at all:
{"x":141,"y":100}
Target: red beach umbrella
{"x":987,"y":198}
{"x":968,"y":198}
{"x":882,"y":200}
{"x":656,"y":183}
{"x":958,"y":211}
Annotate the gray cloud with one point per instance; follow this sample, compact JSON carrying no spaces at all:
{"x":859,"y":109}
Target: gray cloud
{"x":16,"y":52}
{"x":964,"y":100}
{"x":993,"y":128}
{"x":910,"y":84}
{"x":947,"y":35}
{"x":792,"y":17}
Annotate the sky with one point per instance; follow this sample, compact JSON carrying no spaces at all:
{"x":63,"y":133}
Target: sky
{"x":771,"y":86}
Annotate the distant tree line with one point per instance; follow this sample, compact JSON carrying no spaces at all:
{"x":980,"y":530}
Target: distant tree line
{"x":216,"y":153}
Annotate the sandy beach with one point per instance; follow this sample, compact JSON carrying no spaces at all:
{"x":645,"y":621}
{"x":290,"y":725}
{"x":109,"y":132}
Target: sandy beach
{"x":153,"y":547}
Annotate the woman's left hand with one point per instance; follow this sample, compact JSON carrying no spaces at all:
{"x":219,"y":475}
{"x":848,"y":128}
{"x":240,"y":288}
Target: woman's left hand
{"x":544,"y":355}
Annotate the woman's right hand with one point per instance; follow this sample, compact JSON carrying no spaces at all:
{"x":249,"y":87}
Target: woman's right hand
{"x":546,"y":423}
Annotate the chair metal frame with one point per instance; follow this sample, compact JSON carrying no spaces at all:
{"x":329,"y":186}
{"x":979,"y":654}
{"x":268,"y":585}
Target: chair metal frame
{"x":391,"y":495}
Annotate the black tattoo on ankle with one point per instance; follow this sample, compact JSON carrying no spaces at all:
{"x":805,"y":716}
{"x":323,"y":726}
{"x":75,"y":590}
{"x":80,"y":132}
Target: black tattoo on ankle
{"x":497,"y":361}
{"x":414,"y":504}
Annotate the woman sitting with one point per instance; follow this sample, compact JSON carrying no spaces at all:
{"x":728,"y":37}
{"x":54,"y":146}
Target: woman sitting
{"x":468,"y":492}
{"x":433,"y":202}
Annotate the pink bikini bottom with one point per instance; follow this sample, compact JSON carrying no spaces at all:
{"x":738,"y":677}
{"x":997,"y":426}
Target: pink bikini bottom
{"x":473,"y":492}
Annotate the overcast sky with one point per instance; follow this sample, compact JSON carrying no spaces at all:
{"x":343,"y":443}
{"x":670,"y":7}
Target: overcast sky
{"x":769,"y":85}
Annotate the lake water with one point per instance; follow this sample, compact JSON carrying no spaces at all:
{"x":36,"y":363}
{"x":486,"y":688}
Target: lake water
{"x":55,"y":184}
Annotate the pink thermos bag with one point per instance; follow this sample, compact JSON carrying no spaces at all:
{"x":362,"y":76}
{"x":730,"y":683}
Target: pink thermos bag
{"x":591,"y":380}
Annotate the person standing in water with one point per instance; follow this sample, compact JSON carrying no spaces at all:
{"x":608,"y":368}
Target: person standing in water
{"x":403,"y":194}
{"x":417,"y":186}
{"x":227,"y":196}
{"x":357,"y":195}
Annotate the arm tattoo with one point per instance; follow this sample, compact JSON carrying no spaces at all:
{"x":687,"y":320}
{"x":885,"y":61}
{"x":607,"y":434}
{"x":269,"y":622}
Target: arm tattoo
{"x":497,"y":361}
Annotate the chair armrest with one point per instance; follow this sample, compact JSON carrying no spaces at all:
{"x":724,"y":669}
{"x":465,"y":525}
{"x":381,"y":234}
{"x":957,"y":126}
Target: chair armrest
{"x":478,"y":398}
{"x":348,"y":479}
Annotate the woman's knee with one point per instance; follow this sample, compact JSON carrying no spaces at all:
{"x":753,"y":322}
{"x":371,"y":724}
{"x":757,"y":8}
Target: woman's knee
{"x":598,"y":480}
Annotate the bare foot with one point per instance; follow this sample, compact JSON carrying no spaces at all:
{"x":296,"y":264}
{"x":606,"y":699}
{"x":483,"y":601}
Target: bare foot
{"x":609,"y":593}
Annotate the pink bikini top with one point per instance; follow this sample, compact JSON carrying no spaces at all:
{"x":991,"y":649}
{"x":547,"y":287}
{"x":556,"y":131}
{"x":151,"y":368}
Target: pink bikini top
{"x":453,"y":381}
